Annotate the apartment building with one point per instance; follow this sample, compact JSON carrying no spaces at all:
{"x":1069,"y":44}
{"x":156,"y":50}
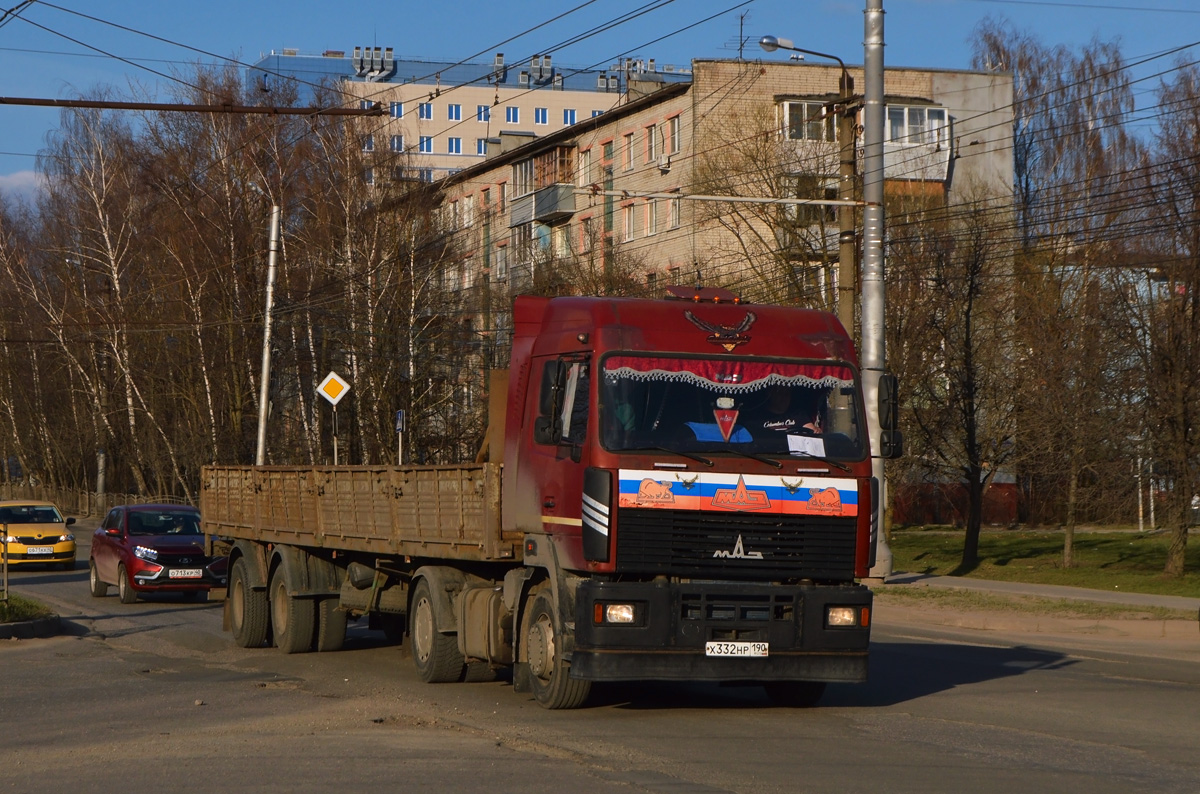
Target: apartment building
{"x":641,"y":187}
{"x":439,"y":115}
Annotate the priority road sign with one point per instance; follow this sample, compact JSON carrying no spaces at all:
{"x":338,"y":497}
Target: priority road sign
{"x":333,"y":388}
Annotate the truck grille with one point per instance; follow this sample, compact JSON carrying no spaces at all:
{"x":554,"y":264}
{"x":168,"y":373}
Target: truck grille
{"x":728,"y":545}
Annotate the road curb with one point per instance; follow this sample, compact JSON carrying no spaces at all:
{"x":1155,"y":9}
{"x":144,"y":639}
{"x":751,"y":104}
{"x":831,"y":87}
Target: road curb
{"x":31,"y":629}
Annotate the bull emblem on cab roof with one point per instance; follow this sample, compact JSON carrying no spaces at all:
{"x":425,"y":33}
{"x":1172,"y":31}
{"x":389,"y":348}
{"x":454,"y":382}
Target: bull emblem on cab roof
{"x":727,"y":336}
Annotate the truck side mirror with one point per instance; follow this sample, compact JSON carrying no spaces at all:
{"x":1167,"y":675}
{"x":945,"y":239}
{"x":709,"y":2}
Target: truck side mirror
{"x":891,"y":440}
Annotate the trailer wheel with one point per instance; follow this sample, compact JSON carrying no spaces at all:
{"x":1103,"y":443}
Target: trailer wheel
{"x":99,"y":588}
{"x":331,"y":626}
{"x":247,"y":608}
{"x":125,"y":587}
{"x":435,"y":654}
{"x":292,"y":619}
{"x":795,"y":694}
{"x":549,"y":674}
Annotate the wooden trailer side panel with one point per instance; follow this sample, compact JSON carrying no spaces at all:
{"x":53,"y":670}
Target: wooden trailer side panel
{"x":448,"y":512}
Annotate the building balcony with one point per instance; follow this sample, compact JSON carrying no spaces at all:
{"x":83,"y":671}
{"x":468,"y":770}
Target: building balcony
{"x":554,"y":203}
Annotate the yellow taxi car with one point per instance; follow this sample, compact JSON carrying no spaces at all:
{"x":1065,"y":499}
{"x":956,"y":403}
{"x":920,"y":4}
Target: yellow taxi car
{"x":35,"y":533}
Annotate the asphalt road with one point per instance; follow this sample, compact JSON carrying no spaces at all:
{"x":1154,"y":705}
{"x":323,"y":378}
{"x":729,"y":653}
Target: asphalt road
{"x":155,"y":695}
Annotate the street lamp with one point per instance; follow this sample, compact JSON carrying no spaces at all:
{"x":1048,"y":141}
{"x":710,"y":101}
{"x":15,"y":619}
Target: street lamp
{"x":847,"y":235}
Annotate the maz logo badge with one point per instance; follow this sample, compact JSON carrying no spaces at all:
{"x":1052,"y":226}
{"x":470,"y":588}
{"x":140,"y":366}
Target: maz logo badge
{"x":740,"y":498}
{"x":739,"y":552}
{"x":727,"y":336}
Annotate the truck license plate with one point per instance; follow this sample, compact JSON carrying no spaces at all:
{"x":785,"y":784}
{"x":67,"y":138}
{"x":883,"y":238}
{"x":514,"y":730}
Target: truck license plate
{"x":185,"y":573}
{"x":39,"y":550}
{"x":736,"y":648}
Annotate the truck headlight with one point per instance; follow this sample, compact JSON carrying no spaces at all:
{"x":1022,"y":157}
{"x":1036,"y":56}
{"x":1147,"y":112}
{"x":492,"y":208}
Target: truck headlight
{"x":847,"y":617}
{"x":615,"y":613}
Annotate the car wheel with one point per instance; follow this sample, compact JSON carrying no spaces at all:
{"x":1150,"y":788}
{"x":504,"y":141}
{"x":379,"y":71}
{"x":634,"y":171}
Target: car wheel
{"x":292,"y":619}
{"x":247,"y":608}
{"x":435,"y":654}
{"x":125,"y":587}
{"x":331,"y":626}
{"x":99,"y":588}
{"x":549,"y":674}
{"x":795,"y":694}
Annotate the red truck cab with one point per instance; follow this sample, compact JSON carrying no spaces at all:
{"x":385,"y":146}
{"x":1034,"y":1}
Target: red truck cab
{"x":695,"y":476}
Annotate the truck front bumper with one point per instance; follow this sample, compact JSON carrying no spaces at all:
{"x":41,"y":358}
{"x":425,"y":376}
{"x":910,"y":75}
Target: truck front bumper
{"x":673,"y":623}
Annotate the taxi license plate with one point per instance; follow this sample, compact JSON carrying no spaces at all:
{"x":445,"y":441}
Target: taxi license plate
{"x":185,"y":573}
{"x":736,"y":648}
{"x":39,"y":550}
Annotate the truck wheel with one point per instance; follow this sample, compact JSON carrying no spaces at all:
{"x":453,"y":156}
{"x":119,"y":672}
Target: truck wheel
{"x":331,"y":626}
{"x":435,"y":654}
{"x":125,"y":587}
{"x":247,"y":608}
{"x":549,"y":674}
{"x":292,"y":619}
{"x":795,"y":694}
{"x":99,"y":588}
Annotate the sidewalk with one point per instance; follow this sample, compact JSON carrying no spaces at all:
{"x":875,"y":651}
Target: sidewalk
{"x":1046,"y":591}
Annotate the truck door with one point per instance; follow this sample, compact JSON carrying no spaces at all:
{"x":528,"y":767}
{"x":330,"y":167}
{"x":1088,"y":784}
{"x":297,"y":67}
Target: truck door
{"x":558,"y":455}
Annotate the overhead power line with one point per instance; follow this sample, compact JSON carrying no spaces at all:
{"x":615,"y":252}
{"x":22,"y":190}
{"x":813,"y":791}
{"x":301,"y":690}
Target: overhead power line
{"x":269,"y":110}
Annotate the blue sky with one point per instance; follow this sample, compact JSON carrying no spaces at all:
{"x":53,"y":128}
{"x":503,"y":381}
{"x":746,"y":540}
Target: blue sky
{"x":50,"y":52}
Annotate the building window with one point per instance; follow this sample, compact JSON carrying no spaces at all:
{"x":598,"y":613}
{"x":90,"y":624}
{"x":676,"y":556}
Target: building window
{"x":628,"y":152}
{"x":454,"y":112}
{"x":651,"y":143}
{"x":426,"y":145}
{"x":673,"y":213}
{"x":917,"y":125}
{"x":396,"y":143}
{"x":454,"y":146}
{"x":425,"y":110}
{"x":522,"y":178}
{"x":365,"y":104}
{"x":808,"y":121}
{"x":396,"y":109}
{"x":468,"y":211}
{"x":584,"y":168}
{"x":813,"y":186}
{"x":502,"y":196}
{"x":673,"y":135}
{"x":368,"y":143}
{"x":541,"y":116}
{"x":512,"y":115}
{"x":651,"y":217}
{"x":425,"y":174}
{"x":369,"y":176}
{"x":651,"y":280}
{"x":481,"y":146}
{"x":568,"y":116}
{"x":485,"y":199}
{"x":596,"y":113}
{"x":501,"y":262}
{"x":483,"y":113}
{"x":628,"y":213}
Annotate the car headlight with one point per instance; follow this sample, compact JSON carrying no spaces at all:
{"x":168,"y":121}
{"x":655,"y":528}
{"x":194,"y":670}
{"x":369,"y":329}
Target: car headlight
{"x":10,"y":539}
{"x":65,"y":538}
{"x":145,"y":553}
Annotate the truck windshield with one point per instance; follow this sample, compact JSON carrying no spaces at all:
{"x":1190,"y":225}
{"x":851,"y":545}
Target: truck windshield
{"x":767,"y":407}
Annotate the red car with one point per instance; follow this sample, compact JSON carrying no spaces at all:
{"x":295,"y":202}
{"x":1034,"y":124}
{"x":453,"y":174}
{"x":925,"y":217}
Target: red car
{"x":151,"y":549}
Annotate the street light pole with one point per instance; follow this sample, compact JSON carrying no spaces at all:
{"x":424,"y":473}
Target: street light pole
{"x":873,"y":358}
{"x":847,"y":235}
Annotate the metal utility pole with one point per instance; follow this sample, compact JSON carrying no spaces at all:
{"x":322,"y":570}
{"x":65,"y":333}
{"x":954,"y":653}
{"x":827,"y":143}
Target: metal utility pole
{"x":873,"y":358}
{"x":260,"y":456}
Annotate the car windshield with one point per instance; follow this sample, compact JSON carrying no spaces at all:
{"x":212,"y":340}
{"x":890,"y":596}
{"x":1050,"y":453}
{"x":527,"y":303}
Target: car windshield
{"x":164,"y":523}
{"x":30,"y":514}
{"x":712,"y":405}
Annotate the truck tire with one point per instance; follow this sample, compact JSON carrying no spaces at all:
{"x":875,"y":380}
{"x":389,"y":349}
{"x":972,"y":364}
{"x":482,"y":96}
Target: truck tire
{"x":292,"y":619}
{"x":247,"y":608}
{"x":795,"y":694}
{"x":435,"y":654}
{"x":125,"y":587}
{"x":99,"y":588}
{"x":549,"y":674}
{"x":331,"y":626}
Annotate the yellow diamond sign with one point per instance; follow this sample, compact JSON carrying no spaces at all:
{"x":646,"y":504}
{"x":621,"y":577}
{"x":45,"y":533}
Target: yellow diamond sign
{"x":333,"y":388}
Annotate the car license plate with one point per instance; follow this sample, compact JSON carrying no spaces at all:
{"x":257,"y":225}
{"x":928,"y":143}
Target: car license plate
{"x":39,"y":550}
{"x":736,"y":648}
{"x":185,"y":573}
